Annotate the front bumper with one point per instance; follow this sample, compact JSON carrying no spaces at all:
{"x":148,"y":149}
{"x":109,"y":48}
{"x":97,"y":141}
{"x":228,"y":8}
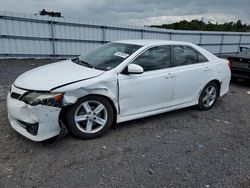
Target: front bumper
{"x":37,"y":123}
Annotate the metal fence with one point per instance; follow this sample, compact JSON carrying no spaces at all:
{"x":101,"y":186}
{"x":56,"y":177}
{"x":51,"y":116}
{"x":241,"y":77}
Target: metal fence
{"x":30,"y":36}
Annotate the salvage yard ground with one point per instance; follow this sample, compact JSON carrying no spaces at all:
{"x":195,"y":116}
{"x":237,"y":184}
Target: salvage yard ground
{"x":183,"y":148}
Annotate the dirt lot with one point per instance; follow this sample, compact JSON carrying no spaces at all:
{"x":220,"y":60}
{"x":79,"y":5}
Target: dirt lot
{"x":184,"y":148}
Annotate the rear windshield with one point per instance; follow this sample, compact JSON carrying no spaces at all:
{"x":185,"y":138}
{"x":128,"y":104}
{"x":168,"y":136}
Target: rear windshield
{"x":245,"y":52}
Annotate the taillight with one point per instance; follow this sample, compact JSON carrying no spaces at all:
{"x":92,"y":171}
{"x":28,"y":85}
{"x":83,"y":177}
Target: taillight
{"x":230,"y":62}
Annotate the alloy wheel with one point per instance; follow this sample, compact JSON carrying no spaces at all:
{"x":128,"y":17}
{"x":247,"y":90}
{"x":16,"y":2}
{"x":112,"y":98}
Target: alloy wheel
{"x":209,"y":97}
{"x":90,"y":116}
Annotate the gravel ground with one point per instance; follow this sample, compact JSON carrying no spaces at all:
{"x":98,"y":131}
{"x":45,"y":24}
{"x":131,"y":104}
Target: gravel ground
{"x":183,"y":148}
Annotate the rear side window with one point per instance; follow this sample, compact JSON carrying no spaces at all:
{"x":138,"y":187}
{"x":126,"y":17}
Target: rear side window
{"x":154,"y":58}
{"x":185,"y":55}
{"x":201,"y":58}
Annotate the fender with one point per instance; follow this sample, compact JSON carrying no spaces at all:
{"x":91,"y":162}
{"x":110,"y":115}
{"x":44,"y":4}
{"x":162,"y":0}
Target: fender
{"x":71,"y":97}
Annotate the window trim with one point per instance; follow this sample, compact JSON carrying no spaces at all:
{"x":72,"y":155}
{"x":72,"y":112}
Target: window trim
{"x":123,"y":70}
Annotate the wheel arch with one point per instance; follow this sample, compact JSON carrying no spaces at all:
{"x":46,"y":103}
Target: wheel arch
{"x":218,"y":83}
{"x":109,"y":100}
{"x":64,"y":109}
{"x":200,"y":104}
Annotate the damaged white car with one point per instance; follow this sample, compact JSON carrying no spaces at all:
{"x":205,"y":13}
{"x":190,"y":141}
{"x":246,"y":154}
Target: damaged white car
{"x":116,"y":82}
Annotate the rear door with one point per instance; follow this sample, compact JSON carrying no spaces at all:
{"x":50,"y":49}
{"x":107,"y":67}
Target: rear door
{"x":191,"y":70}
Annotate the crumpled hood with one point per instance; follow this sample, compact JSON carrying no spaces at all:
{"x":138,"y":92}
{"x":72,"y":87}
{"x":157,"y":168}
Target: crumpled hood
{"x":49,"y":76}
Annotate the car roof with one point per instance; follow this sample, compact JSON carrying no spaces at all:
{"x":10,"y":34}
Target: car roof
{"x":149,"y":42}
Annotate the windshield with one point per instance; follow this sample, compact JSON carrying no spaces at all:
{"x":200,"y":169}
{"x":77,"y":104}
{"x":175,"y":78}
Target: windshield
{"x":245,"y":52}
{"x":107,"y":56}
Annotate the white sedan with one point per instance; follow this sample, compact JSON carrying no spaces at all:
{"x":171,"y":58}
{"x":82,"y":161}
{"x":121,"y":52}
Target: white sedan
{"x":116,"y":82}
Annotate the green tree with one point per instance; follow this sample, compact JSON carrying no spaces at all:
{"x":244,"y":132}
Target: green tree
{"x":200,"y":25}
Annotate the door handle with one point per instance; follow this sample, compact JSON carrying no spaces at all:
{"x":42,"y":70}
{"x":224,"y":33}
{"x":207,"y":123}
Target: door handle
{"x":206,"y":69}
{"x":169,"y":75}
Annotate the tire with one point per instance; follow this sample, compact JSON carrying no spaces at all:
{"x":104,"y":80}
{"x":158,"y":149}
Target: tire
{"x":86,"y":121}
{"x":208,"y":96}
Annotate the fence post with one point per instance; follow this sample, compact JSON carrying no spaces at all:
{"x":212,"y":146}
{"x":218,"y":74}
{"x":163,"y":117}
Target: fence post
{"x":103,"y":34}
{"x":53,"y":38}
{"x":240,"y":42}
{"x":200,"y":39}
{"x":221,"y":43}
{"x":170,"y":36}
{"x":142,"y":34}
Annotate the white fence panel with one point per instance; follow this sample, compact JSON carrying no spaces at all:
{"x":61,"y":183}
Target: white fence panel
{"x":212,"y":48}
{"x":229,"y":48}
{"x":229,"y":39}
{"x":158,"y":36}
{"x":211,"y":39}
{"x":186,"y":37}
{"x":30,"y":36}
{"x":120,"y":34}
{"x":245,"y":39}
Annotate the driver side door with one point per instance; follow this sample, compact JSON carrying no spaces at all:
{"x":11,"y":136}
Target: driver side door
{"x":151,"y":90}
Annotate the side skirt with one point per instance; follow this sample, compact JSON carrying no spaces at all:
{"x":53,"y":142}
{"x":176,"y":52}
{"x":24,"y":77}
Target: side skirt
{"x":153,"y":112}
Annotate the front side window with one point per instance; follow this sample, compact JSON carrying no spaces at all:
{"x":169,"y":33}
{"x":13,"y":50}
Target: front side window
{"x":154,"y":58}
{"x":107,"y":56}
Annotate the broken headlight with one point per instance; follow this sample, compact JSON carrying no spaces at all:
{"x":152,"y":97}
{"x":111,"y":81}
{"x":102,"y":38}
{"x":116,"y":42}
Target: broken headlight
{"x":48,"y":99}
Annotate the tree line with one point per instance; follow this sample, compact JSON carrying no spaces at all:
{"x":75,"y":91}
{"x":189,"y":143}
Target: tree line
{"x":201,"y":25}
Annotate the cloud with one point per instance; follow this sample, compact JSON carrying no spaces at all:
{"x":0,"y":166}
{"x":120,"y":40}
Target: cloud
{"x":138,"y":12}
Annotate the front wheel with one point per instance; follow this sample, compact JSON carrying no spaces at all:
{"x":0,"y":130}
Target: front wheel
{"x":208,"y":96}
{"x":90,"y":117}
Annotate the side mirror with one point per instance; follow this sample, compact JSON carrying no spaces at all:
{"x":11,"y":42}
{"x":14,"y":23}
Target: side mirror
{"x":135,"y":69}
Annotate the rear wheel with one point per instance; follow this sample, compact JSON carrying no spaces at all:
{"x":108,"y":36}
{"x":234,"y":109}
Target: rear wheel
{"x":208,"y":96}
{"x":90,"y":117}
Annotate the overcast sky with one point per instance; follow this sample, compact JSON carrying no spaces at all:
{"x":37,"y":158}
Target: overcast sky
{"x":138,"y":12}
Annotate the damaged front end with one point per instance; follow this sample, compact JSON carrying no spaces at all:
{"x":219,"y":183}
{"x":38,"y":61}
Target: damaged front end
{"x":41,"y":115}
{"x":34,"y":114}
